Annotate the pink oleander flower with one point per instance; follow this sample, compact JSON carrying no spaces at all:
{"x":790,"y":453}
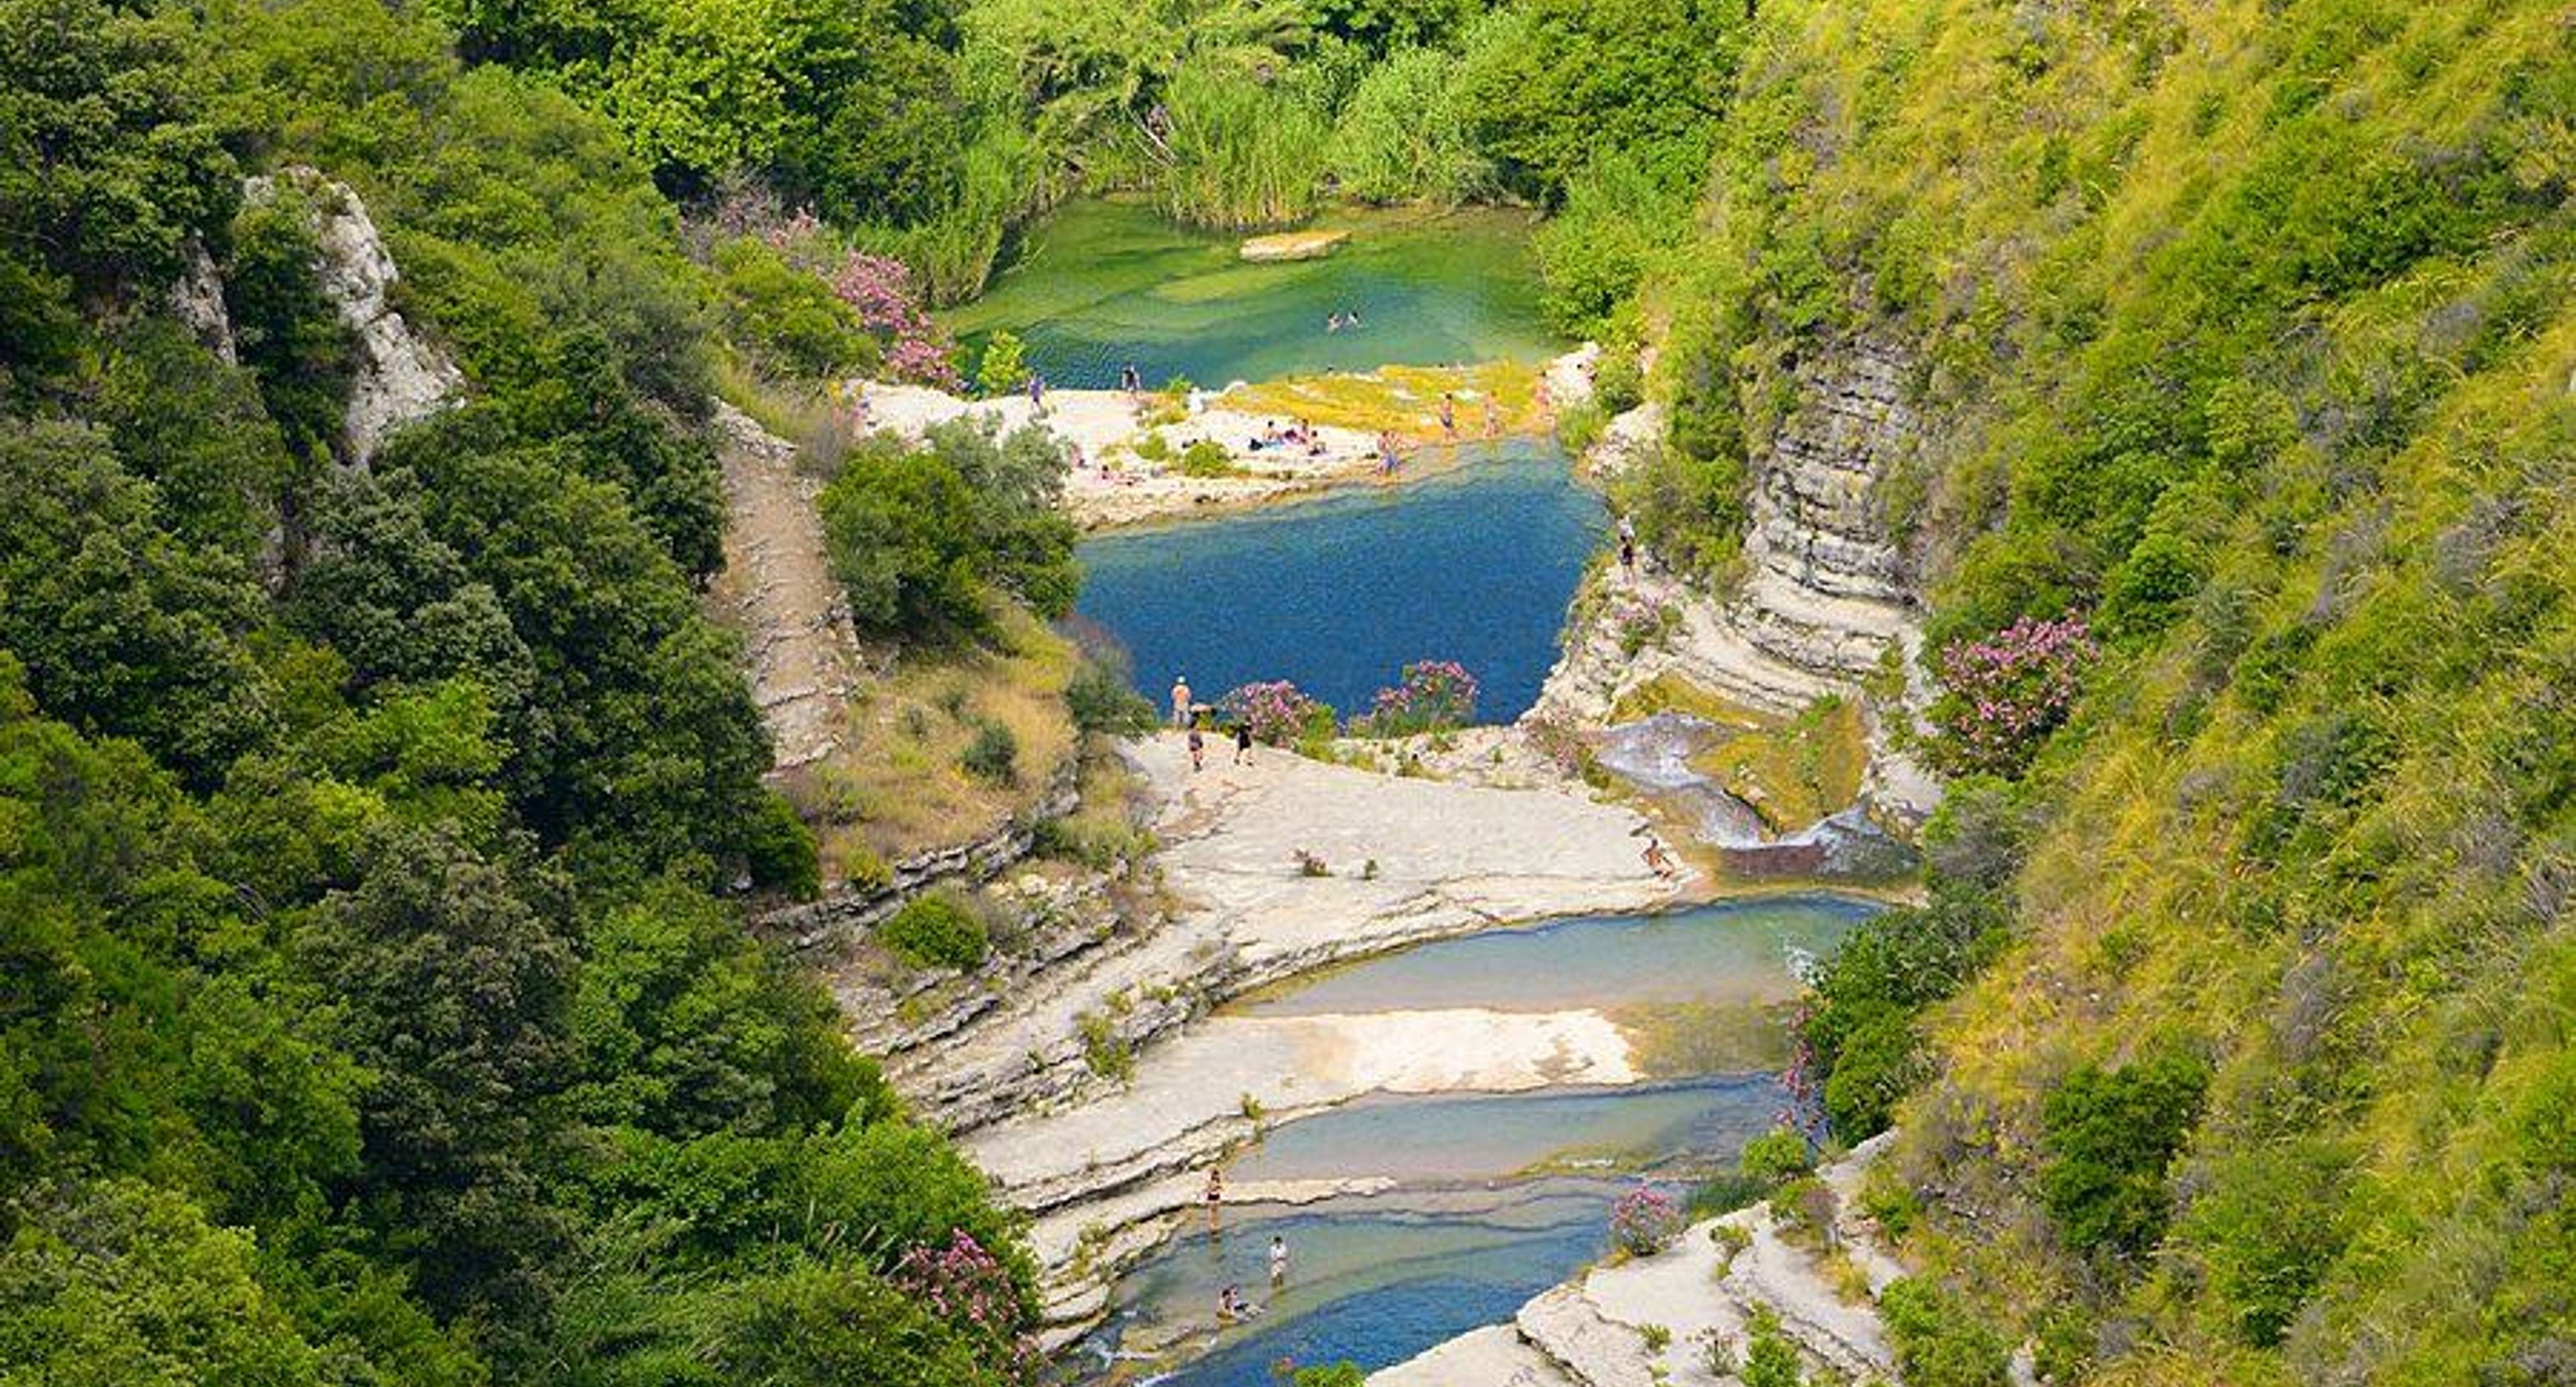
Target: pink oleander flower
{"x":972,"y":1290}
{"x":1435,"y":696}
{"x":1645,"y":1221}
{"x":1278,"y":711}
{"x":2004,"y":694}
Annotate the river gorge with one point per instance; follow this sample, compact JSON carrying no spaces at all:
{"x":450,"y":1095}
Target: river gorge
{"x":1430,"y":1006}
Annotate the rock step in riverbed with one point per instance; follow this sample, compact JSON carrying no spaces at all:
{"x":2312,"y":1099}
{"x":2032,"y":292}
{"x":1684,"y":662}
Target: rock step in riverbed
{"x":1448,"y":858}
{"x":1702,"y":1294}
{"x":1408,"y":859}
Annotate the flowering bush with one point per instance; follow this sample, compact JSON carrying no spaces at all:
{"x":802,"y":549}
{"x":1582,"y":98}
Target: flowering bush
{"x":1436,"y":696}
{"x":1645,"y":1221}
{"x":880,"y":289}
{"x":1280,"y":712}
{"x":971,"y":1289}
{"x":2003,"y":694}
{"x":1639,"y":623}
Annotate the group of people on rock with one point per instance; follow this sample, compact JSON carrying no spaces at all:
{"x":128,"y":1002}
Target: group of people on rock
{"x":1346,"y":320}
{"x":1298,"y":435}
{"x":1191,"y":716}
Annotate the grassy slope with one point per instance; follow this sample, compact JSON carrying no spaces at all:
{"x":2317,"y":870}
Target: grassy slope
{"x":2286,"y":286}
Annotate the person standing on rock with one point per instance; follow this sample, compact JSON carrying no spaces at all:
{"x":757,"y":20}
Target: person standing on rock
{"x":1628,"y":545}
{"x":1180,"y":701}
{"x":1449,"y":416}
{"x":1243,"y":742}
{"x":1198,"y":750}
{"x":1278,"y":1261}
{"x":1215,"y":1196}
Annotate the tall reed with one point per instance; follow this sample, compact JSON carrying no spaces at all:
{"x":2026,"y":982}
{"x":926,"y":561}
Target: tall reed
{"x":1236,"y":152}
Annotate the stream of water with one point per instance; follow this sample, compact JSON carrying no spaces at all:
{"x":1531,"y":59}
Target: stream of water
{"x":1339,"y":593}
{"x":1496,"y":1196}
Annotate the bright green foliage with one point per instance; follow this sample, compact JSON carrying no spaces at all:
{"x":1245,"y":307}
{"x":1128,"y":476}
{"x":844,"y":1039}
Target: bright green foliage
{"x":901,"y":531}
{"x":111,"y":154}
{"x":936,"y":930}
{"x":919,"y":538}
{"x":2110,"y":1134}
{"x":1776,"y":1155}
{"x":1550,"y":83}
{"x":1402,"y":134}
{"x":119,"y":1282}
{"x":791,"y":320}
{"x":1004,"y":367}
{"x":2240,"y":330}
{"x":821,"y":1325}
{"x":1329,"y":1375}
{"x":1237,"y":153}
{"x":369,"y":1016}
{"x":1770,"y":1358}
{"x":1939,"y":1340}
{"x":122,"y":628}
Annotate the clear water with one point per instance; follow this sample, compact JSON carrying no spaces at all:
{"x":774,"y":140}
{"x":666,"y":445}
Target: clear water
{"x":1338,"y":594}
{"x":1454,"y":1137}
{"x":1497,"y":1196}
{"x":1101,"y":285}
{"x":1732,"y":951}
{"x":1373,"y":1280}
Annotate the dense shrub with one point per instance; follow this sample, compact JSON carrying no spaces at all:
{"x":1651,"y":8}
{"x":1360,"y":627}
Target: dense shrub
{"x":936,"y":930}
{"x":1779,"y":1154}
{"x":992,"y":754}
{"x":789,"y":318}
{"x":2109,"y":1135}
{"x":1939,"y":1340}
{"x":1102,"y":700}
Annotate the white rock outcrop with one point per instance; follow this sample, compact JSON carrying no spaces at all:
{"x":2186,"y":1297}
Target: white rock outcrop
{"x":1826,"y":595}
{"x":399,"y":375}
{"x":197,"y":300}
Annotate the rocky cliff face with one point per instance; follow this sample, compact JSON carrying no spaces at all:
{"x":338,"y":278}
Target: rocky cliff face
{"x":400,"y":376}
{"x":1826,"y":595}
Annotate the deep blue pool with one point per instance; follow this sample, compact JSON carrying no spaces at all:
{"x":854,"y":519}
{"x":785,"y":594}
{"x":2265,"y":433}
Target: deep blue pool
{"x":1338,"y":594}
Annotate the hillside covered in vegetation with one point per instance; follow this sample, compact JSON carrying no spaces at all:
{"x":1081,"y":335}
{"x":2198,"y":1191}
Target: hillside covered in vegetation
{"x":377,"y":824}
{"x":2232,"y":1042}
{"x":377,"y":1007}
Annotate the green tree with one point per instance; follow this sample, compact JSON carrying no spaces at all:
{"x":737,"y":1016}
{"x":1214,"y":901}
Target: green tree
{"x":2109,"y":1135}
{"x":453,"y":991}
{"x":1549,"y":83}
{"x":289,"y":335}
{"x":827,"y":1325}
{"x":119,"y":1282}
{"x":124,"y":630}
{"x":110,"y":159}
{"x":902,"y":535}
